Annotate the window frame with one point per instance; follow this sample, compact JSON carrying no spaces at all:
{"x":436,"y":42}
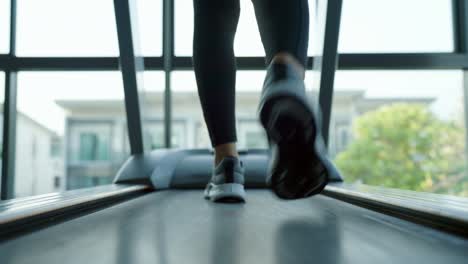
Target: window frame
{"x":168,"y":62}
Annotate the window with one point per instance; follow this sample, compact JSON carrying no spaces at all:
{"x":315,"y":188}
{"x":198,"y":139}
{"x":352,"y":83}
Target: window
{"x":93,"y":147}
{"x":33,"y":147}
{"x":247,"y":41}
{"x":186,"y":106}
{"x":152,"y":109}
{"x":342,"y":136}
{"x":150,"y":26}
{"x":2,"y":87}
{"x":4,"y":26}
{"x":89,"y":140}
{"x":202,"y":139}
{"x":57,"y":182}
{"x":66,"y":28}
{"x":77,"y":121}
{"x":179,"y":132}
{"x":403,"y":129}
{"x":408,"y":129}
{"x":78,"y":30}
{"x":369,"y":26}
{"x":255,"y":139}
{"x":2,"y":94}
{"x":56,"y":147}
{"x":155,"y":134}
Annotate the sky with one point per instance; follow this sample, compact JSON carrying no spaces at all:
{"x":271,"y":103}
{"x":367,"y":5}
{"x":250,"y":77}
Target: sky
{"x":72,"y":28}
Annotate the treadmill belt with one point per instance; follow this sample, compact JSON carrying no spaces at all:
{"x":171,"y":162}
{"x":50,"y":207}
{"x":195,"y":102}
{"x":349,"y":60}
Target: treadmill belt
{"x":179,"y":226}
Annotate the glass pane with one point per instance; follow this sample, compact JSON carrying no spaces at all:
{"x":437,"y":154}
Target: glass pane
{"x":2,"y":96}
{"x":2,"y":85}
{"x":155,"y":133}
{"x":71,"y":130}
{"x":401,"y":129}
{"x":4,"y":26}
{"x":187,"y":126}
{"x":369,"y":26}
{"x":250,"y":134}
{"x":313,"y":24}
{"x":187,"y":110}
{"x":93,"y":146}
{"x":150,"y":26}
{"x":152,"y":102}
{"x":66,"y":28}
{"x":247,"y":41}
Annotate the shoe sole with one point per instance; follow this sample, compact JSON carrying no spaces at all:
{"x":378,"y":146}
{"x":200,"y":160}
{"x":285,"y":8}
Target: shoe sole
{"x":228,"y":192}
{"x":298,"y":171}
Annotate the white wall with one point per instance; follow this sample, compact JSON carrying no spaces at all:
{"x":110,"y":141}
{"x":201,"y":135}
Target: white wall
{"x":35,"y":168}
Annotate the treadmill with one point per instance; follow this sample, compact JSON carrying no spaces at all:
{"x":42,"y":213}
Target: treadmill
{"x":154,"y":212}
{"x":162,"y":217}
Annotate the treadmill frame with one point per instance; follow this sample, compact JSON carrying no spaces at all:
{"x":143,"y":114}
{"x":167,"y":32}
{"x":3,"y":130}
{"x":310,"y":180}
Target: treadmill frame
{"x":453,"y":219}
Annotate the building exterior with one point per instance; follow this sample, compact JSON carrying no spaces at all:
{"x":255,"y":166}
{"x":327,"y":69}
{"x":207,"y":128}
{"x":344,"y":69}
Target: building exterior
{"x":39,"y":166}
{"x":97,"y":141}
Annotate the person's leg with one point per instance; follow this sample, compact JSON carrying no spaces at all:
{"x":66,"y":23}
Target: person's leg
{"x":215,"y":70}
{"x":300,"y":166}
{"x":284,"y":29}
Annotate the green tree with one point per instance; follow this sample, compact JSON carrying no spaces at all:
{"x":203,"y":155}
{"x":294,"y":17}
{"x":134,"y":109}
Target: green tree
{"x":406,"y":146}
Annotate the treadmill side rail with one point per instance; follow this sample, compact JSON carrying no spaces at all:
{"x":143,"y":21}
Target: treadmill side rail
{"x":444,"y":212}
{"x":23,"y":213}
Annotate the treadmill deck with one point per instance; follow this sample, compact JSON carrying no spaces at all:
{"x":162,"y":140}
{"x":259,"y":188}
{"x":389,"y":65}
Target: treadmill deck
{"x":179,"y":226}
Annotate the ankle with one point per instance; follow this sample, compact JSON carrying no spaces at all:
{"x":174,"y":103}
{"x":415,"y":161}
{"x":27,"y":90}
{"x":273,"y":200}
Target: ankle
{"x":225,"y":150}
{"x":286,"y":58}
{"x":219,"y":158}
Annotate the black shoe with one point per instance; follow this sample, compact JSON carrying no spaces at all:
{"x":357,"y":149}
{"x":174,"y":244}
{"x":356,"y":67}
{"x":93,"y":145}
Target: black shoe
{"x":299,"y":164}
{"x":227,"y":182}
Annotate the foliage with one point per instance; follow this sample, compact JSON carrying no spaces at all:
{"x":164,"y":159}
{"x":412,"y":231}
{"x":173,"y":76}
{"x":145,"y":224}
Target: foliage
{"x":406,"y":146}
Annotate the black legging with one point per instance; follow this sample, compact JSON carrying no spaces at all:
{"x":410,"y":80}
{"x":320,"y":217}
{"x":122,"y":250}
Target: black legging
{"x":284,"y":27}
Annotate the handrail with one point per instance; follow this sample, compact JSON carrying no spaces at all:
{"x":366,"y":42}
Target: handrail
{"x":21,"y":213}
{"x":444,"y":212}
